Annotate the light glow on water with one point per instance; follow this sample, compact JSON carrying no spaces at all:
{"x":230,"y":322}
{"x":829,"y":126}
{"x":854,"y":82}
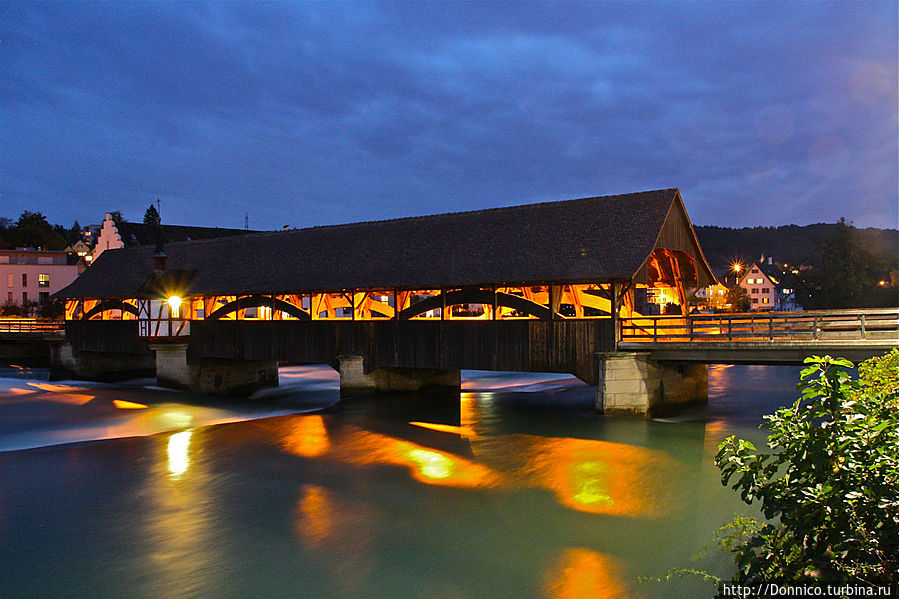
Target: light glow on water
{"x":179,"y":454}
{"x":462,"y":431}
{"x":307,"y":437}
{"x":581,"y":573}
{"x":128,"y":405}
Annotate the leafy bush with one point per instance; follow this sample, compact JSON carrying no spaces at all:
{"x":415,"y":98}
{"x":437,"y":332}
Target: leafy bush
{"x":830,"y":489}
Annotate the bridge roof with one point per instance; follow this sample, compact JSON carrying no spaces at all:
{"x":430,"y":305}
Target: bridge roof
{"x":575,"y":241}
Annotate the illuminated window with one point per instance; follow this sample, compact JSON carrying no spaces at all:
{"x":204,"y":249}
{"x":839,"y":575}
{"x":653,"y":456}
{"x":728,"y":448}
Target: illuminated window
{"x":764,"y":300}
{"x":43,"y":280}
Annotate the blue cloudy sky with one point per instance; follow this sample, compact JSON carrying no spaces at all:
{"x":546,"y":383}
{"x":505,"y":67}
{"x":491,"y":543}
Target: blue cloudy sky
{"x":317,"y":113}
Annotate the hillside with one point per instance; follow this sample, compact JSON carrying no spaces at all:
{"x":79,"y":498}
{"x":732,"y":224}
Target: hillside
{"x":792,"y":244}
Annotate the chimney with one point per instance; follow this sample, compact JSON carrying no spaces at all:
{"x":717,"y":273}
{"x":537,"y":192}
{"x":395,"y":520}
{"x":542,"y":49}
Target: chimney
{"x":770,"y":260}
{"x":159,"y":259}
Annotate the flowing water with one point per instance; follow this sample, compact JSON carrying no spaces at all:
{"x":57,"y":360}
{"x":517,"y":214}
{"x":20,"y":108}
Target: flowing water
{"x":516,"y":489}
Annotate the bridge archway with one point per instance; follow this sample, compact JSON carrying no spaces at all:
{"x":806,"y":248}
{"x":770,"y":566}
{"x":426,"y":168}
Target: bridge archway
{"x":259,"y":301}
{"x":108,"y":306}
{"x":476,"y":296}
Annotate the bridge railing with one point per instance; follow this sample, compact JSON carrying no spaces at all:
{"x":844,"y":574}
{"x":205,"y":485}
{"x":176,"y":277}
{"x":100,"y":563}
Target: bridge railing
{"x":40,"y":326}
{"x":830,"y":325}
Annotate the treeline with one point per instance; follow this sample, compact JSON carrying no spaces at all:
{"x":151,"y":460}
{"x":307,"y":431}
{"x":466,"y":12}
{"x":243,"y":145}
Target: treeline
{"x":791,"y":244}
{"x":839,"y":265}
{"x":32,"y":230}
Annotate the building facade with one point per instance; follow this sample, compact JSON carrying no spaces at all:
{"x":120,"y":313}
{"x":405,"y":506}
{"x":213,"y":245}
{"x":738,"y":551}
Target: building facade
{"x":30,"y":276}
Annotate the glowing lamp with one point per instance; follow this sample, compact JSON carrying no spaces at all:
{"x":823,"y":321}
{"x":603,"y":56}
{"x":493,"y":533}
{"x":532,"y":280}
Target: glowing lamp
{"x":737,"y":267}
{"x":174,"y":305}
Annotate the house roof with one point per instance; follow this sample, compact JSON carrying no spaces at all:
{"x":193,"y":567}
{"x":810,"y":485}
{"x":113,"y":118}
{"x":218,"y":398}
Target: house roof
{"x":141,"y":234}
{"x":771,"y":271}
{"x":586,"y":240}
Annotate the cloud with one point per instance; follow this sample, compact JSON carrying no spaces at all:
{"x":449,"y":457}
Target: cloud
{"x":303,"y":114}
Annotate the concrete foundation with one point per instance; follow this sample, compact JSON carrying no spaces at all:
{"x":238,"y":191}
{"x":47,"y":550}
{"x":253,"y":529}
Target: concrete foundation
{"x":207,"y":376}
{"x":65,"y":363}
{"x":634,"y":384}
{"x":354,"y":379}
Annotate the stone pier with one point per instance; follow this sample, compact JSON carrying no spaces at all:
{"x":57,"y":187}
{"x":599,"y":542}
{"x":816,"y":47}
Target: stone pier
{"x":354,"y":379}
{"x":66,"y":363}
{"x":632,"y":383}
{"x":210,"y":376}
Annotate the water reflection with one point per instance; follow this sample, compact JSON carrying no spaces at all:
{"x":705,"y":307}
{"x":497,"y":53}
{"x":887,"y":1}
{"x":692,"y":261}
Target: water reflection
{"x":512,"y":496}
{"x":179,"y":524}
{"x":581,"y":573}
{"x":592,"y":476}
{"x":128,"y":405}
{"x":179,"y":458}
{"x":339,"y":533}
{"x":306,"y":436}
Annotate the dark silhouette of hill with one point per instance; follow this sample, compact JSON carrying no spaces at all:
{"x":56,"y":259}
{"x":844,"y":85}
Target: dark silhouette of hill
{"x":791,"y":244}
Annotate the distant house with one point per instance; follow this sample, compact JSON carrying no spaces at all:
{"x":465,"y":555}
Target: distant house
{"x":79,"y":253}
{"x":30,"y":276}
{"x":114,"y":235}
{"x":715,"y":296}
{"x":768,"y":287}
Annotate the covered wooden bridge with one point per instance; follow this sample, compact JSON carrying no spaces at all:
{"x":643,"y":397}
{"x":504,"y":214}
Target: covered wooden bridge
{"x":397,"y":303}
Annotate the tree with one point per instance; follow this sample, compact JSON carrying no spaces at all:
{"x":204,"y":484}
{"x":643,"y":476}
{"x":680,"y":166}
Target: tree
{"x":74,"y":233}
{"x":151,"y":217}
{"x":830,"y":489}
{"x":33,"y":230}
{"x":738,"y":299}
{"x":844,"y":274}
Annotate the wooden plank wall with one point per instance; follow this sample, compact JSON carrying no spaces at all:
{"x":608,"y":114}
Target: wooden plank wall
{"x":112,"y":336}
{"x":528,"y":345}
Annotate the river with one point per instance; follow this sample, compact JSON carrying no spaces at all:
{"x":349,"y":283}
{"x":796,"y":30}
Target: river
{"x":516,"y":489}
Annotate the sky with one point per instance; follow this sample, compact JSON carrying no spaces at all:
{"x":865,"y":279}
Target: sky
{"x":305,"y":114}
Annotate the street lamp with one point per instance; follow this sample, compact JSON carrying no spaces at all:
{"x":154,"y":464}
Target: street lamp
{"x":174,"y":305}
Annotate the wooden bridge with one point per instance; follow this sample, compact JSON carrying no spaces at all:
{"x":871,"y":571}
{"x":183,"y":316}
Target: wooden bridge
{"x":763,"y":338}
{"x":31,"y":327}
{"x":407,"y":303}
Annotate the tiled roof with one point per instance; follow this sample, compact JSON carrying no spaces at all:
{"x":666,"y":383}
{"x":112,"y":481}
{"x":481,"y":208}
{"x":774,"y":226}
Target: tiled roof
{"x":591,"y":239}
{"x":141,"y":234}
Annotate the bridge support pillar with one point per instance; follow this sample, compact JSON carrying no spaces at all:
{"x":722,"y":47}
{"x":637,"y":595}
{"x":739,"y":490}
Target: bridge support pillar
{"x":632,"y":383}
{"x":353,"y":378}
{"x":211,"y":376}
{"x":66,"y":363}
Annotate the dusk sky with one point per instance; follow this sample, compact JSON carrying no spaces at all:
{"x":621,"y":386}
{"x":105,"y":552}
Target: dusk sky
{"x":307,"y":114}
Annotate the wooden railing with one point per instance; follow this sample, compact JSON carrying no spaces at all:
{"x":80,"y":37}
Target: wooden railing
{"x":874,"y":324}
{"x":37,"y":326}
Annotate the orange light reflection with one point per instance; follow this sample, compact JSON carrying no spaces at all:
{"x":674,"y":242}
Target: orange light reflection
{"x":18,"y":391}
{"x":598,"y":477}
{"x":462,"y":431}
{"x":584,"y":574}
{"x":55,"y":388}
{"x":308,"y":437}
{"x":127,"y":405}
